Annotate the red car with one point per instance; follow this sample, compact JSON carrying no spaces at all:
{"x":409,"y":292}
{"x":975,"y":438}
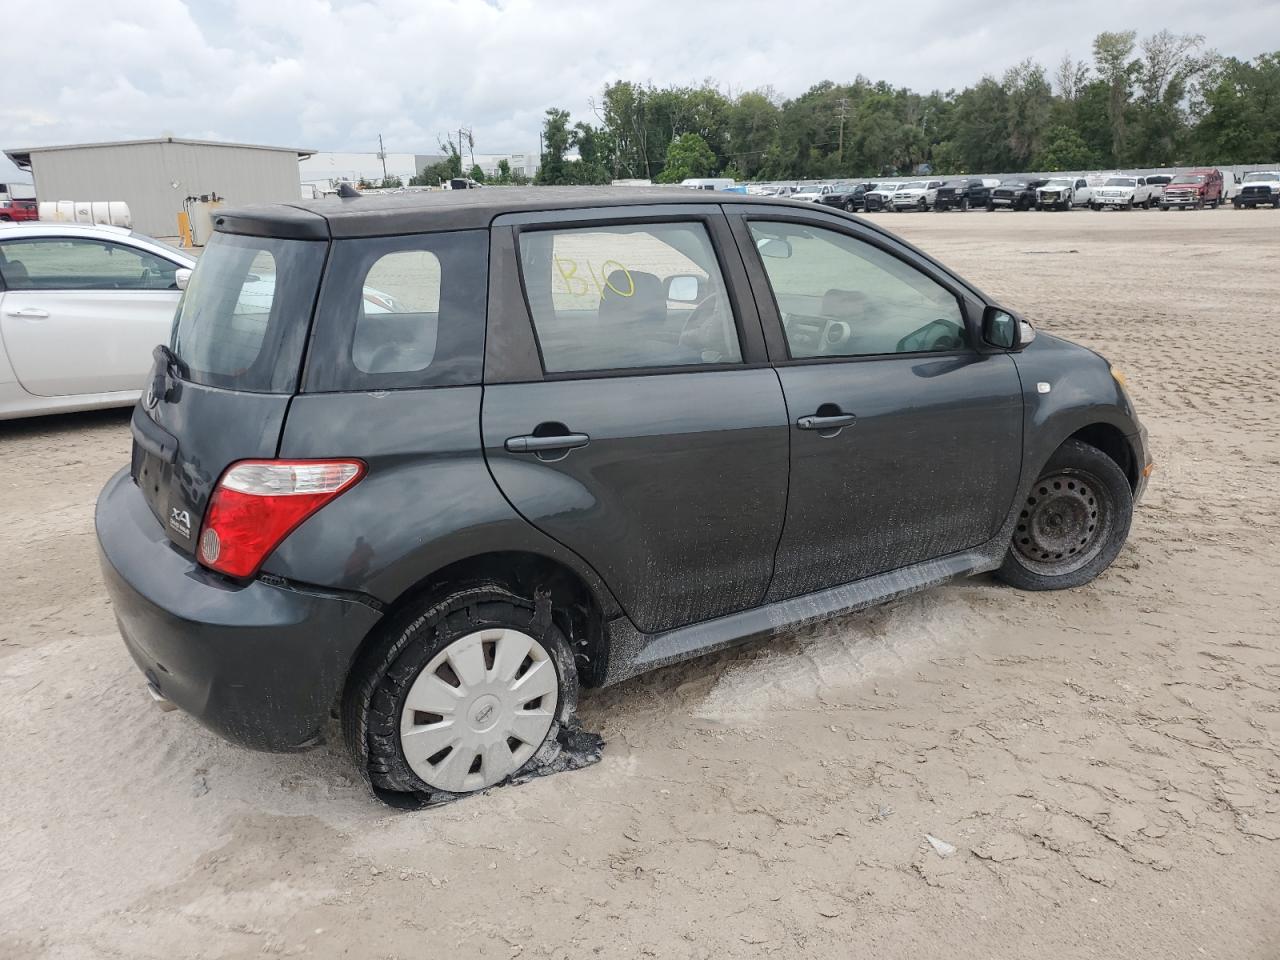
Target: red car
{"x":1197,"y":190}
{"x":18,"y":210}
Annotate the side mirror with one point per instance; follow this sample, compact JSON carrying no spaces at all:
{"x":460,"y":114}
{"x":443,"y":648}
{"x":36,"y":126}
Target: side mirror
{"x":685,"y":288}
{"x":181,"y":277}
{"x":774,"y":247}
{"x":1000,"y":329}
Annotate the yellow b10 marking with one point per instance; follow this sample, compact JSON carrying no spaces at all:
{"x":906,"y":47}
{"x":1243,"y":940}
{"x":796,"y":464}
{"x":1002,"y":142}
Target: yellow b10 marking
{"x":578,"y":286}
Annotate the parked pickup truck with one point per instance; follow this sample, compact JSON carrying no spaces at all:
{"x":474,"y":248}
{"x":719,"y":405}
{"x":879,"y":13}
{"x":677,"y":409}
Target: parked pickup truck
{"x":1157,"y":182}
{"x":963,"y":194}
{"x":1123,"y":192}
{"x":1063,"y":193}
{"x":18,"y":210}
{"x":847,"y":196}
{"x":1016,"y":193}
{"x":878,"y":199}
{"x":919,"y":195}
{"x":1194,"y":190}
{"x":1259,"y":187}
{"x":812,"y":192}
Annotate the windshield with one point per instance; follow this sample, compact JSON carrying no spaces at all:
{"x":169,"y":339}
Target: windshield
{"x":887,"y":187}
{"x":183,"y":255}
{"x":1254,"y":177}
{"x":1187,"y":178}
{"x":1059,"y":183}
{"x":1121,"y":182}
{"x":244,"y":317}
{"x":1013,"y":183}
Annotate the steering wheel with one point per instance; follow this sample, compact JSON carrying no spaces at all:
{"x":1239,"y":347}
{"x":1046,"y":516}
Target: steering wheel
{"x":700,"y":332}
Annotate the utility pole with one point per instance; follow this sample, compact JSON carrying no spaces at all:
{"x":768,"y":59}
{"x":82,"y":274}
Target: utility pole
{"x":382,"y":155}
{"x":844,"y":115}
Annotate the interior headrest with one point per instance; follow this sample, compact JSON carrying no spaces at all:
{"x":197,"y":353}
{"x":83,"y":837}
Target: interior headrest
{"x":632,"y":295}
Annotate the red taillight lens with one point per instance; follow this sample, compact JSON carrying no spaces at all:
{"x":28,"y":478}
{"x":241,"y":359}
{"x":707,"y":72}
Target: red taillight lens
{"x":258,"y":503}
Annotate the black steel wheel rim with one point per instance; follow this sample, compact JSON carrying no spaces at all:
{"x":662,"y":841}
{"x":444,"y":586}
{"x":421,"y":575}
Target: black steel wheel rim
{"x":1064,"y":523}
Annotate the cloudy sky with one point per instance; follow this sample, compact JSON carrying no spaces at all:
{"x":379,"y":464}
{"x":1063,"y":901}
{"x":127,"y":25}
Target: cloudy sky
{"x":332,"y":74}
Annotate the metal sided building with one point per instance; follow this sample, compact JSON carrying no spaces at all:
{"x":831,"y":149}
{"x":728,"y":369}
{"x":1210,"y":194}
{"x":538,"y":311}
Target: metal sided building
{"x":155,"y":176}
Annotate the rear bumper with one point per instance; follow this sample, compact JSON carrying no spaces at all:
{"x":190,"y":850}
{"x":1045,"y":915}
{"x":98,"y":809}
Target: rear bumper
{"x":260,"y":664}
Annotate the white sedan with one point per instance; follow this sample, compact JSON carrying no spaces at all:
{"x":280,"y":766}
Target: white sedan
{"x":81,"y":308}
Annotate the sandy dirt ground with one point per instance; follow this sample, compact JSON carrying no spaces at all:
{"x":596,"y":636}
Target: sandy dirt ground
{"x":1105,"y":762}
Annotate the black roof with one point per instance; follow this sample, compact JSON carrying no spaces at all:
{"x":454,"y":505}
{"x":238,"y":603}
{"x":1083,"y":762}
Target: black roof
{"x":389,"y":214}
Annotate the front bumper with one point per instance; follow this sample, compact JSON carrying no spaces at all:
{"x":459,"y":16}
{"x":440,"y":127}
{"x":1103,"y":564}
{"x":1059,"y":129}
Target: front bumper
{"x":1115,"y":201}
{"x":1141,"y":447}
{"x":260,"y":664}
{"x":1180,"y":200}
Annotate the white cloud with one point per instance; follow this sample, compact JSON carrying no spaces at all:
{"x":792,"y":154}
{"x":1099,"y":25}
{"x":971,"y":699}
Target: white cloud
{"x":332,"y":74}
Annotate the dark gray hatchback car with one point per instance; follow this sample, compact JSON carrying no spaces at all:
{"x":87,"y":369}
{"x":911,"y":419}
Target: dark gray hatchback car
{"x":427,"y":463}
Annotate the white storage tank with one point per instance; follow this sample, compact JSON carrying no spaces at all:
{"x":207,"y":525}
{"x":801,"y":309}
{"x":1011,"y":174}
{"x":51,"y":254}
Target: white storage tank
{"x":112,"y":212}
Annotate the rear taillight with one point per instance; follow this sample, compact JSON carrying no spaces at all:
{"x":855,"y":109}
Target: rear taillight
{"x":258,"y":503}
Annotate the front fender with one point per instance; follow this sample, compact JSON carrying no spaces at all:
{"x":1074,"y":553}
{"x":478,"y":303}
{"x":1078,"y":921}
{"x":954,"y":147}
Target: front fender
{"x":1081,"y":392}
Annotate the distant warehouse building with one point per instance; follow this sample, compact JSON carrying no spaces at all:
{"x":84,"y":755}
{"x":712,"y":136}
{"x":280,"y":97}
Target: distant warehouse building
{"x":155,"y":176}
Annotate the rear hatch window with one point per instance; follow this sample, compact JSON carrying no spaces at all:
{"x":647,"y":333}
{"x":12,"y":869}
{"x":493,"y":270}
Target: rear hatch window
{"x":222,"y":393}
{"x":243,"y":320}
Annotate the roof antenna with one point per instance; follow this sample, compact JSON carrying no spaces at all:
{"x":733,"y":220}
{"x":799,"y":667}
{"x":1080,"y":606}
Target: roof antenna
{"x":346,"y":191}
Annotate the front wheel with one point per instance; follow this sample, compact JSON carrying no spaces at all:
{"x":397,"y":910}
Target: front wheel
{"x":991,"y":207}
{"x":1073,"y":522}
{"x":1095,"y":206}
{"x":850,"y":206}
{"x":460,"y":695}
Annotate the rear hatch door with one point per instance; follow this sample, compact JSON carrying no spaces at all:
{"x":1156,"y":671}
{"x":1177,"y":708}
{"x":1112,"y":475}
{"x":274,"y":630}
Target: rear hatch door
{"x":220,"y":389}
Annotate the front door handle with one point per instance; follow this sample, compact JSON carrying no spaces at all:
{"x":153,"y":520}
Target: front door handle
{"x":532,"y":444}
{"x":835,"y":422}
{"x":31,"y":313}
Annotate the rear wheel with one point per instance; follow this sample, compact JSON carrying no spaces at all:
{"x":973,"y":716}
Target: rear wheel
{"x":460,"y":695}
{"x":1073,"y":522}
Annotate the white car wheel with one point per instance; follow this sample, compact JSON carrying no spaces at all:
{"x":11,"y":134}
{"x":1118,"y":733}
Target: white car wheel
{"x":479,"y":710}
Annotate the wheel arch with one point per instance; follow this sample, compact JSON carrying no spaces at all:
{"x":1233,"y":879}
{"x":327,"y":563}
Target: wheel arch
{"x":576,"y":606}
{"x":1108,"y":438}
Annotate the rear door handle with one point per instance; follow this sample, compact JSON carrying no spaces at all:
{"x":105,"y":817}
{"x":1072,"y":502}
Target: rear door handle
{"x":532,"y":444}
{"x":816,"y":422}
{"x":31,"y":313}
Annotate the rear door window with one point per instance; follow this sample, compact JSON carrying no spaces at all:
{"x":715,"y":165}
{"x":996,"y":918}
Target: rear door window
{"x":627,"y":296}
{"x":243,"y":320}
{"x":401,"y":312}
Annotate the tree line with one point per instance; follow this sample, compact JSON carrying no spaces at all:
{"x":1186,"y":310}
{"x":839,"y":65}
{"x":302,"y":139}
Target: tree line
{"x":1162,"y":100}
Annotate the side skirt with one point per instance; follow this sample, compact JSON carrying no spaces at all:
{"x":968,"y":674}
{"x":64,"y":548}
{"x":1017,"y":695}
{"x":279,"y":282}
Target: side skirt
{"x":632,"y":653}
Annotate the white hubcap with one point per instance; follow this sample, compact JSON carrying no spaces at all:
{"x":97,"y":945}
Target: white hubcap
{"x":479,"y":710}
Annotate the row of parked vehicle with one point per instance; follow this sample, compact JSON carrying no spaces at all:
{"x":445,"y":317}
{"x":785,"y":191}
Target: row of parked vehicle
{"x":1195,"y":190}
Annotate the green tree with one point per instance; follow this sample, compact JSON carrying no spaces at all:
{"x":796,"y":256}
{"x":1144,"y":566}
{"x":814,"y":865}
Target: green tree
{"x":504,"y":172}
{"x":555,"y":144}
{"x":688,"y":155}
{"x":476,"y":173}
{"x":1113,"y":59}
{"x":391,"y":183}
{"x":1030,"y":102}
{"x":1064,"y":149}
{"x":557,"y":139}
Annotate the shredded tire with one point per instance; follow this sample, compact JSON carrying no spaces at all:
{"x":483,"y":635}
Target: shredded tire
{"x":383,"y":674}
